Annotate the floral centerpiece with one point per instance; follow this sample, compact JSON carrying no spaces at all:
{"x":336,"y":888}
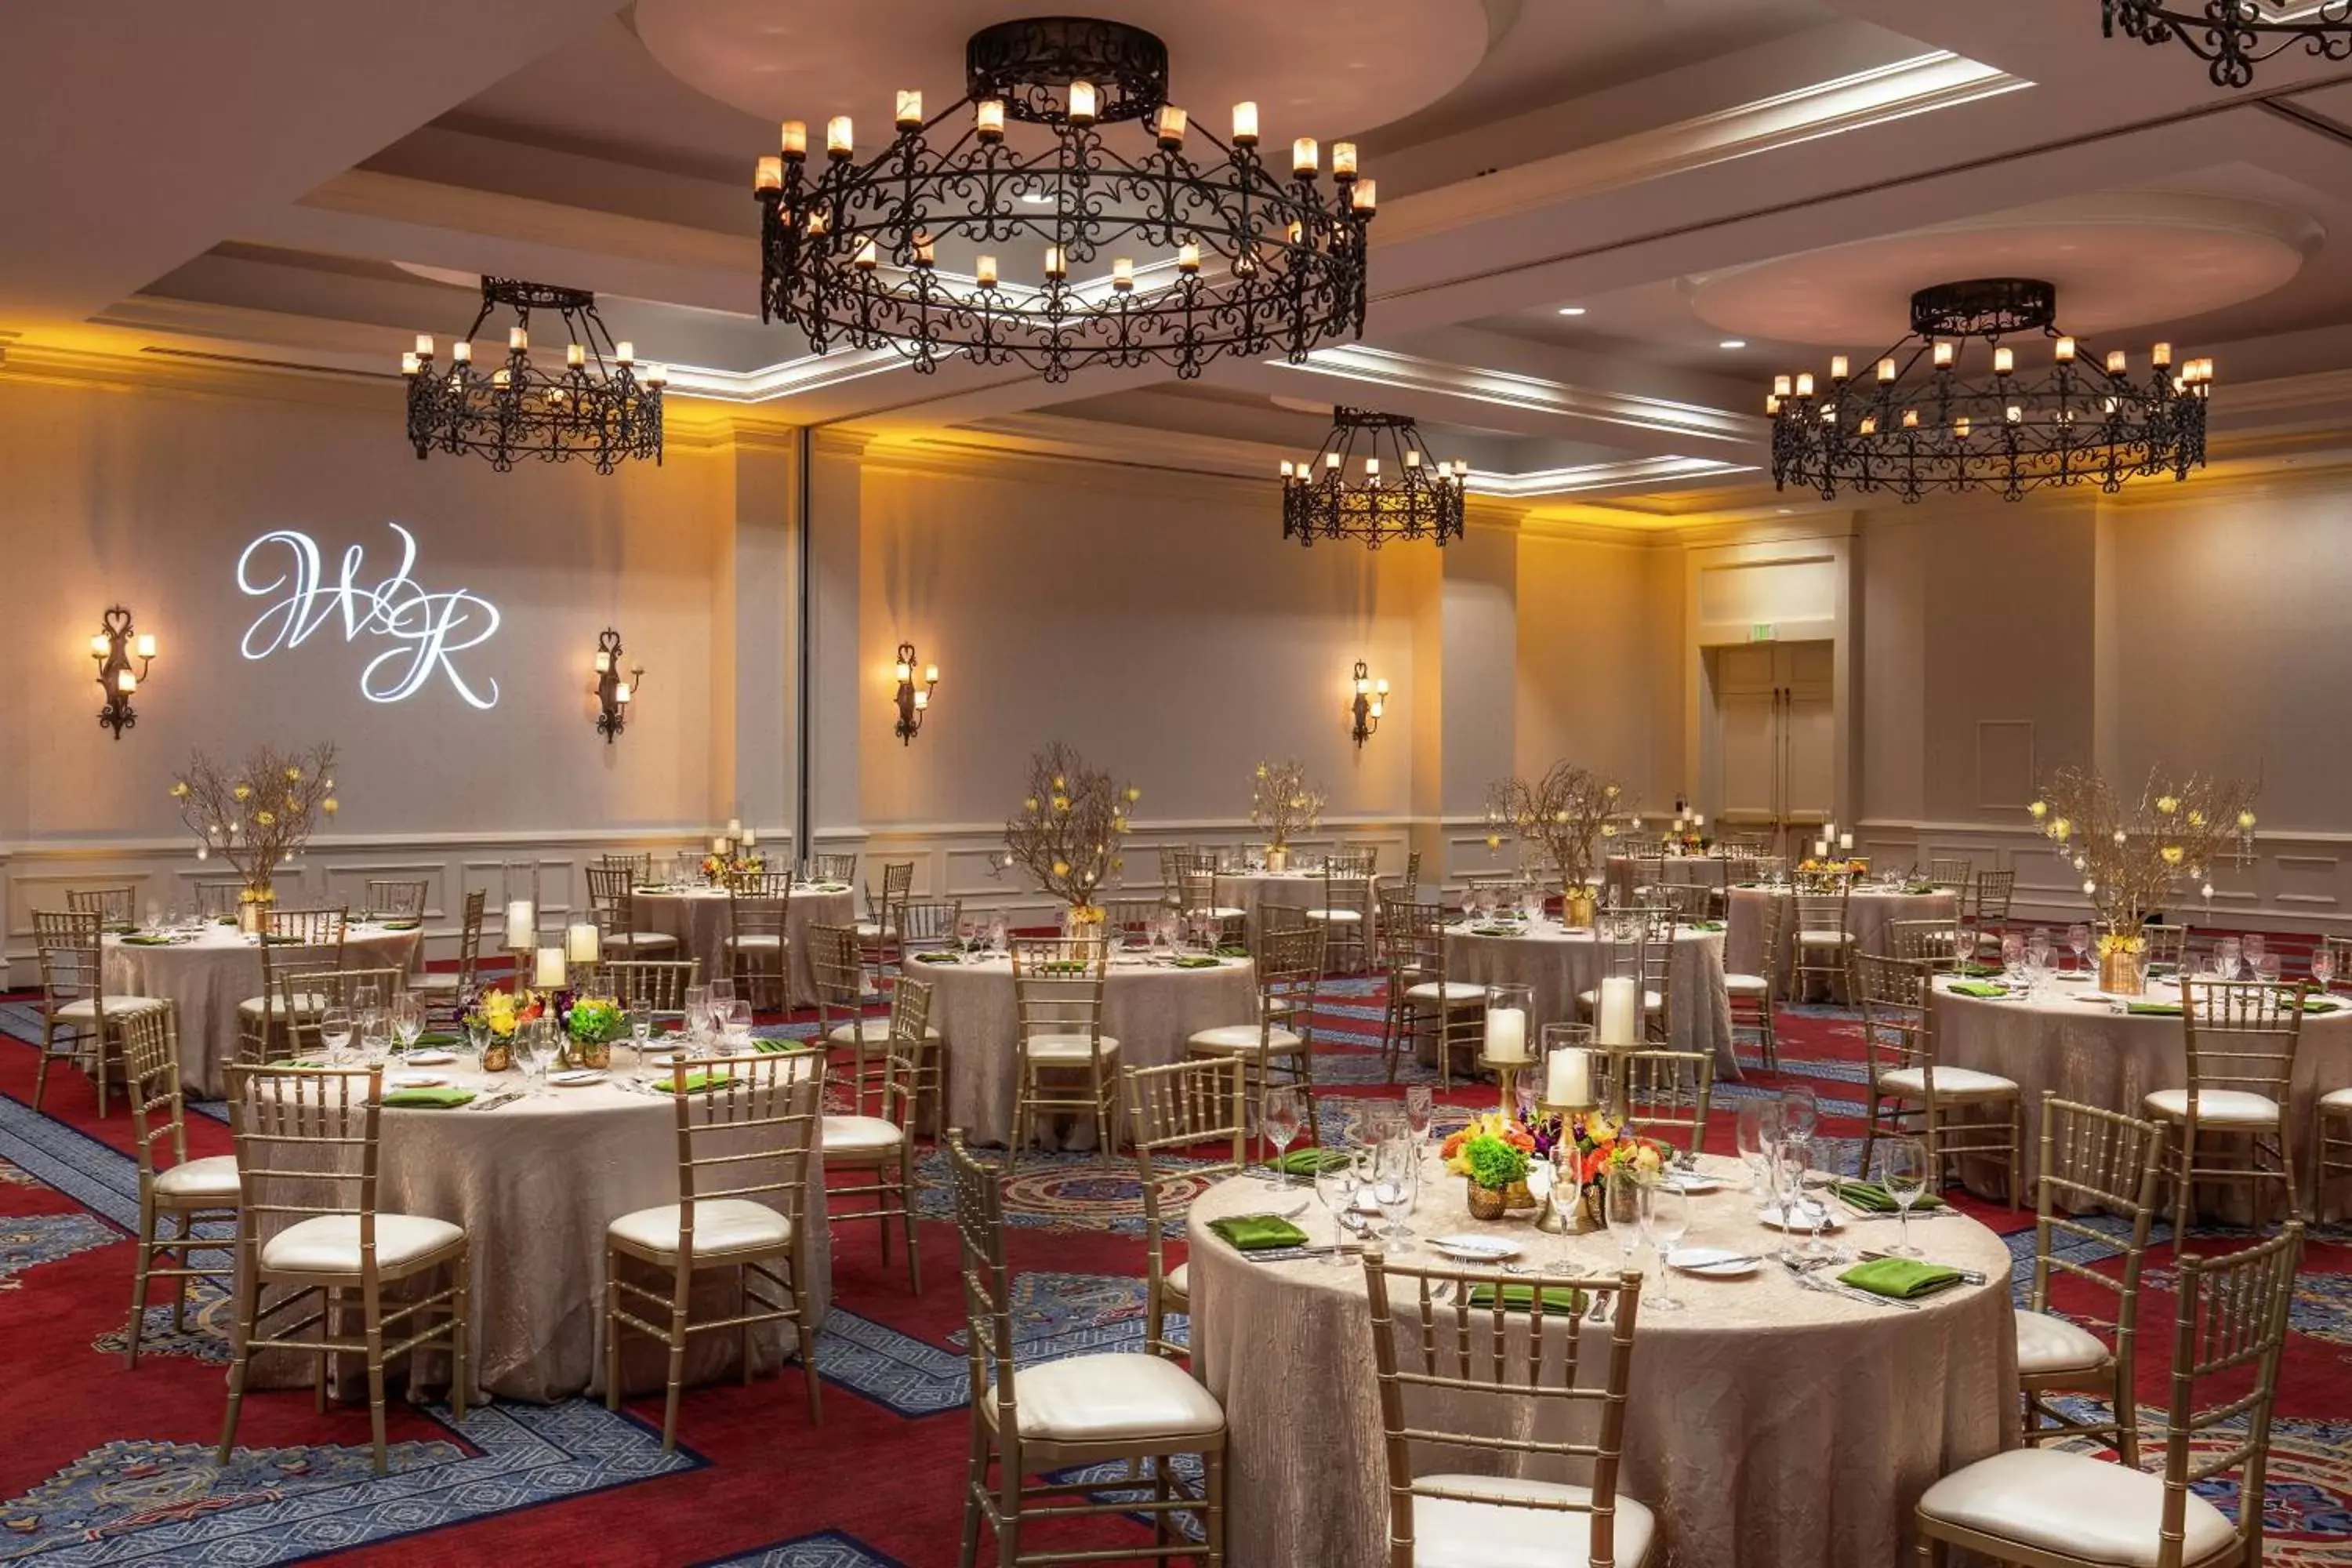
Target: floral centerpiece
{"x":591,"y":1024}
{"x":1587,"y":1146}
{"x":1850,"y":866}
{"x":493,"y":1018}
{"x":257,"y":816}
{"x":2134,"y":857}
{"x":1492,"y":1152}
{"x":722,"y":870}
{"x":1283,"y":805}
{"x":1560,"y":816}
{"x":1068,"y":834}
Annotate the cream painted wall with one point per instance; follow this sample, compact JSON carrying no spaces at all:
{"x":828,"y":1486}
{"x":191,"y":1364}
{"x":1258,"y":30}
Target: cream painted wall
{"x":1597,"y":681}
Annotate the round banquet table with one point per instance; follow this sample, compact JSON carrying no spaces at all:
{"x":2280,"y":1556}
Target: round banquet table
{"x":1255,"y":892}
{"x":698,"y":918}
{"x":534,"y":1181}
{"x":1766,"y":1425}
{"x":1560,"y":963}
{"x":206,"y":977}
{"x":1869,"y":911}
{"x":1149,"y":1007}
{"x":2087,"y":1052}
{"x":1621,"y":872}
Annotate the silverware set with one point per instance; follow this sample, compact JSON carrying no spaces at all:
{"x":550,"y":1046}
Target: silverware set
{"x":1968,"y":1276}
{"x":492,"y":1101}
{"x":1808,"y":1278}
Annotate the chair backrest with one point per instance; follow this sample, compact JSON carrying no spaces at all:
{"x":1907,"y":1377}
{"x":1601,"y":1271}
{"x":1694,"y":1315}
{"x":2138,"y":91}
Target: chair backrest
{"x":470,"y":940}
{"x":1290,"y":976}
{"x":987,"y":1289}
{"x":306,"y":1146}
{"x":1950,"y":871}
{"x":1686,"y":900}
{"x":318,"y":927}
{"x":305,"y":994}
{"x":1666,"y":1091}
{"x":911,"y":1060}
{"x":839,"y":971}
{"x":1414,"y":934}
{"x":658,"y":984}
{"x":2231,"y":1314}
{"x":1740,"y":865}
{"x":1131,"y":920}
{"x":1057,"y":985}
{"x":1932,"y":942}
{"x":71,"y":950}
{"x":927,"y":925}
{"x":2094,"y":1160}
{"x":1824,"y":910}
{"x":759,"y":904}
{"x":1175,"y":861}
{"x":1896,"y":1021}
{"x":1199,"y":890}
{"x":1528,"y":1373}
{"x":2168,"y":943}
{"x":150,"y":1072}
{"x":114,"y":906}
{"x":611,"y":893}
{"x":833,"y":868}
{"x":1348,"y":882}
{"x":1989,"y":904}
{"x":897,"y":887}
{"x":396,"y":898}
{"x":2242,"y":1036}
{"x":1352,"y":862}
{"x":218,"y":899}
{"x":1193,"y":1108}
{"x":1773,"y":912}
{"x":748,"y":1132}
{"x":637,"y":867}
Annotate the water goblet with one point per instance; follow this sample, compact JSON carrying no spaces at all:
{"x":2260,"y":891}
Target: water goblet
{"x":2226,"y":955}
{"x":1666,"y":1218}
{"x":1420,"y":1110}
{"x":335,"y":1026}
{"x":641,"y":1029}
{"x":1792,"y":1156}
{"x":1801,"y":1110}
{"x":2323,"y":965}
{"x":1620,"y":1208}
{"x":1334,"y":1184}
{"x":1902,"y":1172}
{"x":2078,"y":938}
{"x":1396,"y":1186}
{"x":1759,"y":1129}
{"x":1823,"y":1174}
{"x":1277,"y":1124}
{"x":2252,"y":948}
{"x":735,"y":1026}
{"x":408,"y":1021}
{"x":2266,"y":968}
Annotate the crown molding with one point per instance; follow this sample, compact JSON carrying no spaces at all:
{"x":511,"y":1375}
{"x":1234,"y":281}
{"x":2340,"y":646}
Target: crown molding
{"x":181,"y":373}
{"x":1385,"y":367}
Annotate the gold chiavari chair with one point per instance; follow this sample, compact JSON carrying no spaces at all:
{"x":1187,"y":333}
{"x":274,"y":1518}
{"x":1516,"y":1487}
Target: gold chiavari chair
{"x":2167,"y":944}
{"x":1750,"y":996}
{"x":882,"y":1148}
{"x":113,"y":906}
{"x":833,"y":868}
{"x":1984,"y":911}
{"x":747,"y":1135}
{"x":1067,"y":1064}
{"x":80,"y":1021}
{"x":1912,"y":1096}
{"x":837,"y":966}
{"x":1820,"y":944}
{"x":758,"y":935}
{"x":929,"y":925}
{"x":1200,"y":902}
{"x":1128,"y":922}
{"x":1187,"y":1107}
{"x":877,"y":933}
{"x":2241,"y":1037}
{"x":657,"y":984}
{"x":1687,"y":901}
{"x":2331,"y":1143}
{"x":1649,"y":864}
{"x":1951,"y":872}
{"x":611,"y":893}
{"x":1936,"y":944}
{"x":1080,"y":1410}
{"x":171,"y":1186}
{"x":2091,"y":1160}
{"x":218,"y":900}
{"x":1347,"y":908}
{"x":304,"y":997}
{"x":640,"y":868}
{"x":1385,"y":891}
{"x":1651,"y":929}
{"x":299,"y":1131}
{"x":1527,"y":1371}
{"x":1740,"y":867}
{"x":444,"y":990}
{"x":292,"y":941}
{"x":1175,"y":861}
{"x":1665,"y":1091}
{"x":2054,"y":1507}
{"x":1290,"y":966}
{"x":1420,"y":996}
{"x":394,"y":900}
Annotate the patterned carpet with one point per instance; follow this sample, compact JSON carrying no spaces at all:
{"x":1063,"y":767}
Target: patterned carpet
{"x":100,"y":1464}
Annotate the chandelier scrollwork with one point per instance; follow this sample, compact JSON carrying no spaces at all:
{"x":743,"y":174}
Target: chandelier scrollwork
{"x":599,"y":406}
{"x":918,"y":247}
{"x":1371,"y":481}
{"x":1948,"y":408}
{"x":2232,"y":37}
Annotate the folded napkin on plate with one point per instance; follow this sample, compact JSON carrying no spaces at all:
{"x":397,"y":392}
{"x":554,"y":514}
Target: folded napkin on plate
{"x":695,"y":1083}
{"x":439,"y":1041}
{"x":225,"y":921}
{"x":2158,"y":1009}
{"x":1915,"y":888}
{"x":400,"y":924}
{"x":301,"y":1062}
{"x":833,"y":887}
{"x":1878,"y":1200}
{"x":1977,"y":971}
{"x":939,"y":958}
{"x":1978,"y":988}
{"x":1258,"y":1232}
{"x":1494,"y":931}
{"x":2310,"y":1003}
{"x":781,"y":1047}
{"x":441,"y":1098}
{"x":120,"y":928}
{"x":1558,"y":1300}
{"x":1308,"y":1162}
{"x":1233,"y":951}
{"x":1903,"y":1278}
{"x":1197,"y":960}
{"x":649,"y":890}
{"x":1706,"y":925}
{"x":148,"y":939}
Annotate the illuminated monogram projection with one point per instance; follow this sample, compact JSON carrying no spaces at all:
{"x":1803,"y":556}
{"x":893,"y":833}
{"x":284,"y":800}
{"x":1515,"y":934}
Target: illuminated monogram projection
{"x":426,"y":631}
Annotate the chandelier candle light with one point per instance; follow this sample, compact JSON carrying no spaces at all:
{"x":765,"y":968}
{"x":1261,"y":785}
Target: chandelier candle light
{"x":113,"y":646}
{"x":2134,"y":857}
{"x":1370,"y":482}
{"x":1950,"y":407}
{"x":1282,"y":805}
{"x":257,"y":818}
{"x":598,"y":406}
{"x":1069,"y":832}
{"x":1559,"y":816}
{"x":1180,"y":249}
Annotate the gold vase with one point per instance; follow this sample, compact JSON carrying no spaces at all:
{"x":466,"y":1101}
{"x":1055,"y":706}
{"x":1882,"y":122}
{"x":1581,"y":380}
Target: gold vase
{"x":1488,"y":1203}
{"x":252,"y":905}
{"x":1085,"y":924}
{"x":1577,"y":907}
{"x":1278,"y":859}
{"x":498,"y":1054}
{"x":2119,"y":973}
{"x":595,"y":1054}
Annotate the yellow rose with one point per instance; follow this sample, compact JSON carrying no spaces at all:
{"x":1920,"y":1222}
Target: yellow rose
{"x":2245,"y":822}
{"x":2167,"y":804}
{"x":266,"y":818}
{"x":1609,"y":790}
{"x":1060,"y":782}
{"x":1060,"y":803}
{"x":2039,"y":810}
{"x":240,"y":792}
{"x":2171,"y":853}
{"x":331,"y":806}
{"x":1030,"y":803}
{"x":1494,"y":841}
{"x":1559,"y":816}
{"x":1646,"y":1159}
{"x":2061,"y":831}
{"x":180,"y":790}
{"x":1061,"y":867}
{"x":2196,"y":819}
{"x":1607,"y":831}
{"x":1133,"y":793}
{"x":293,"y":775}
{"x":1261,"y":770}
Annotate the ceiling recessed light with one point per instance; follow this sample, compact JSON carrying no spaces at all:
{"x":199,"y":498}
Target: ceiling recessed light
{"x":1571,"y":309}
{"x":1732,"y":343}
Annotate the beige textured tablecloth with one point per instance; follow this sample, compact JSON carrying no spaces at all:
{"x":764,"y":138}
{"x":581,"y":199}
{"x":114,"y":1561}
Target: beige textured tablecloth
{"x":698,"y":918}
{"x":205,"y":980}
{"x":2089,"y":1053}
{"x":1622,"y":873}
{"x":1868,"y":913}
{"x":1149,"y":1010}
{"x":1769,"y":1426}
{"x":1559,"y":963}
{"x":534,"y":1182}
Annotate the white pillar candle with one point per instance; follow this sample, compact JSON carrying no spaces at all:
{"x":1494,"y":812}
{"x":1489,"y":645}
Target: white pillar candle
{"x":1821,"y":849}
{"x":1506,"y":1035}
{"x":719,"y":847}
{"x":750,"y":838}
{"x":580,"y":942}
{"x":548,"y":973}
{"x":1621,"y":1008}
{"x":1568,"y":1077}
{"x":1845,"y":841}
{"x":521,"y":924}
{"x":734,"y":828}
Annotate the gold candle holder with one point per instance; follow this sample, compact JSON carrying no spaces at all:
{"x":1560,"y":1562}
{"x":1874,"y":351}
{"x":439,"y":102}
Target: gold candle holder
{"x":1507,"y":1075}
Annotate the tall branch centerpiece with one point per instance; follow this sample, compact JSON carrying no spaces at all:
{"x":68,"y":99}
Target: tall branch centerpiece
{"x":2136,"y":856}
{"x":1282,"y":805}
{"x":1561,"y":816}
{"x":258,"y":815}
{"x":1070,"y":832}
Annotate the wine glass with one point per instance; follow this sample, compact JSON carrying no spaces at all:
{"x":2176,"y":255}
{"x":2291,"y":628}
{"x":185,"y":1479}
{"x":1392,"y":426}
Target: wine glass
{"x":335,"y":1032}
{"x":1396,"y":1184}
{"x":1822,"y":1165}
{"x":1334,"y":1184}
{"x":2078,"y":938}
{"x":1801,"y":1110}
{"x":722,"y":991}
{"x":1792,"y":1156}
{"x":1621,"y":1204}
{"x":641,"y":1029}
{"x":408,"y":1021}
{"x":2323,"y":965}
{"x":2253,"y":950}
{"x":1277,"y":1124}
{"x":1902,"y":1172}
{"x":1759,"y":1129}
{"x":529,"y":1052}
{"x":996,"y":930}
{"x":2226,"y":954}
{"x":735,"y":1025}
{"x":2266,"y":969}
{"x":1665,"y":1217}
{"x":2012,"y":955}
{"x":1420,"y":1110}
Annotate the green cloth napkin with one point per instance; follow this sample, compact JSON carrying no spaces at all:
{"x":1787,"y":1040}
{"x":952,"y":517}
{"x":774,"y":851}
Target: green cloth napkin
{"x":303,"y":1062}
{"x":1195,"y":961}
{"x":1309,"y":1162}
{"x":1061,"y":966}
{"x":120,"y":928}
{"x":1256,"y":1231}
{"x":1903,"y":1278}
{"x":1230,"y":950}
{"x":833,"y":887}
{"x":1921,"y":887}
{"x":1978,"y":988}
{"x":442,"y":1099}
{"x":400,"y":924}
{"x":649,"y":890}
{"x":1706,"y":925}
{"x":1977,"y":971}
{"x":1558,"y":1301}
{"x":938,"y":958}
{"x":781,"y":1047}
{"x":1494,"y":931}
{"x":2310,"y":1003}
{"x":439,"y":1040}
{"x":695,"y":1083}
{"x":1878,"y":1200}
{"x":225,"y":921}
{"x":2156,"y":1009}
{"x":283,"y":941}
{"x":148,"y":940}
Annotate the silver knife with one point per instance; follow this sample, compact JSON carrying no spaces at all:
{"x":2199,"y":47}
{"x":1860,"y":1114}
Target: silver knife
{"x":493,"y":1102}
{"x":1812,"y":1283}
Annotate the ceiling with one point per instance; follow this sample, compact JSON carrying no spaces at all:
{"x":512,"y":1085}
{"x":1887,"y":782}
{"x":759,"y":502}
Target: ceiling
{"x":316,"y":184}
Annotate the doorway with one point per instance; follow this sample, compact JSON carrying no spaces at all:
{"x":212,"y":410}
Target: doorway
{"x":1774,"y":735}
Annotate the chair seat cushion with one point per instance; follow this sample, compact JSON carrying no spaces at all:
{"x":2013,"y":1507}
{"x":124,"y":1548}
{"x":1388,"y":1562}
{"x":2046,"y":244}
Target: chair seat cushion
{"x":2047,"y":1344}
{"x":2216,"y":1107}
{"x":308,"y":1004}
{"x":873,"y":1031}
{"x":720,"y":1226}
{"x":1065,"y":1048}
{"x":1230,"y":1038}
{"x":86,"y":1010}
{"x":860,"y":1135}
{"x":1334,"y":914}
{"x":1445,"y":991}
{"x":2056,"y":1502}
{"x":1177,"y":1282}
{"x":1220,"y":912}
{"x":757,"y":942}
{"x":330,"y":1243}
{"x":1108,"y":1398}
{"x":1650,"y":1000}
{"x":637,"y":939}
{"x":1823,"y":938}
{"x":1450,"y":1534}
{"x":1746,"y":984}
{"x":1951,"y":1083}
{"x":212,"y":1177}
{"x":869,"y":931}
{"x":2337,"y":1100}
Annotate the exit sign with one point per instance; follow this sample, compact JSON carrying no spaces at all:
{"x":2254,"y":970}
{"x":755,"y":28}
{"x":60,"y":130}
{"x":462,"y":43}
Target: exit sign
{"x":1761,"y":632}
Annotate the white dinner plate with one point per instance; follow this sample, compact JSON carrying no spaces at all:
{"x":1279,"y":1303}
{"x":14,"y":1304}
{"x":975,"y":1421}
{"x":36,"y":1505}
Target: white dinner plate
{"x":1716,"y":1262}
{"x":431,"y":1059}
{"x":1770,"y":1214}
{"x":577,"y":1078}
{"x":1472,"y":1248}
{"x":418,"y":1080}
{"x":2070,"y":976}
{"x":2099,"y":996}
{"x":1693,"y":1181}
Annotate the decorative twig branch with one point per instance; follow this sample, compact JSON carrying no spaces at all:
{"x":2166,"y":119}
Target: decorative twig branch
{"x":258,"y":817}
{"x":1559,"y":816}
{"x":1073,"y":822}
{"x":1283,"y":804}
{"x":2135,"y":857}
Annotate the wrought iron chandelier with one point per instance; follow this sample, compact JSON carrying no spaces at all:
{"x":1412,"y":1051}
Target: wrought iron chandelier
{"x":1932,"y":420}
{"x":1204,"y":257}
{"x":1388,"y":492}
{"x":2231,"y":36}
{"x":598,"y":406}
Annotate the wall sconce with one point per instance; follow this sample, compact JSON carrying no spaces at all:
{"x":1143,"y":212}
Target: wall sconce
{"x":613,"y":690}
{"x":114,"y":645}
{"x":1372,"y":700}
{"x":914,"y":701}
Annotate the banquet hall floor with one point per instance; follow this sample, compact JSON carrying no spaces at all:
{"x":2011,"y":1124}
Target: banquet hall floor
{"x":97,"y":1463}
